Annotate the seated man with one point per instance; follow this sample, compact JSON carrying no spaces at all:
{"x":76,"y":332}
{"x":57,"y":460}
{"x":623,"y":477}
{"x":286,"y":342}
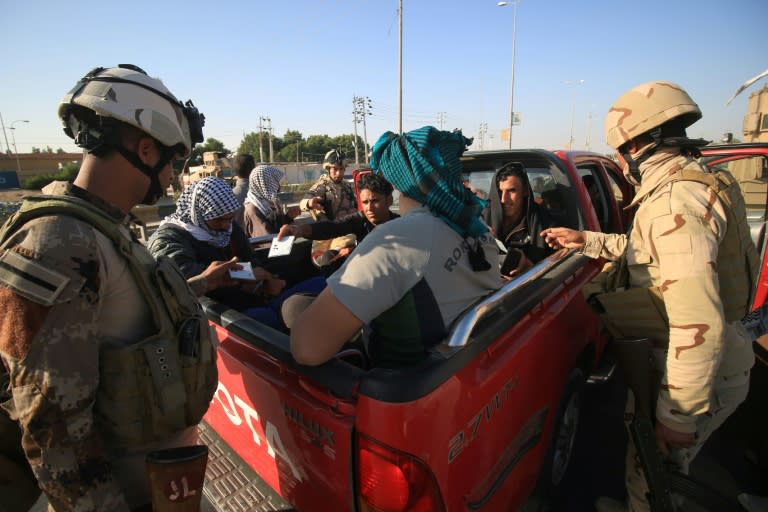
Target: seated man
{"x":264,"y":213}
{"x":202,"y":231}
{"x":516,"y":219}
{"x":376,"y":198}
{"x":411,"y":277}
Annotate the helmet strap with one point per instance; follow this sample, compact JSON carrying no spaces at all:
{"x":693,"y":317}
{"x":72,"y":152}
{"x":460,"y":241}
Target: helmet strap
{"x":155,"y":190}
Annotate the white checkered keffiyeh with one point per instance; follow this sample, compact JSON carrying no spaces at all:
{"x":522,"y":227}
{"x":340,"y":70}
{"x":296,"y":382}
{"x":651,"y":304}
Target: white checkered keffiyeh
{"x":207,"y":199}
{"x":263,"y":186}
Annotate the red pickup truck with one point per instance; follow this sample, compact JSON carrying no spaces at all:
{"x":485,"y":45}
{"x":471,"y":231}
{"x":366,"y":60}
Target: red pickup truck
{"x":487,"y":422}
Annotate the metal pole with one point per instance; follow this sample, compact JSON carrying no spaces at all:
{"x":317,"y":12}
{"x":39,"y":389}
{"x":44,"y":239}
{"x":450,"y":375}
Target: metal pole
{"x":354,"y":125}
{"x":573,"y":108}
{"x":400,"y":85}
{"x":8,"y":146}
{"x":363,"y":106}
{"x":18,"y":162}
{"x":13,"y":136}
{"x":512,"y":87}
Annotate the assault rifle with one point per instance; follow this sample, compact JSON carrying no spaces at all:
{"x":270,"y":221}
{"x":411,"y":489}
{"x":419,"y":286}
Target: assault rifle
{"x":635,"y":358}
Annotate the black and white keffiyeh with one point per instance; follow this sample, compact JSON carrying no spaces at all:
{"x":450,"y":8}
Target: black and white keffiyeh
{"x":263,"y":186}
{"x":207,"y":199}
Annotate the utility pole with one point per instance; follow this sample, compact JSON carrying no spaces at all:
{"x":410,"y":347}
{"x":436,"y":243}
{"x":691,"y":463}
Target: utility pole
{"x":261,"y":150}
{"x":440,"y":119}
{"x":362,"y":108}
{"x":482,"y":131}
{"x":589,"y":132}
{"x":269,"y":132}
{"x":354,"y":125}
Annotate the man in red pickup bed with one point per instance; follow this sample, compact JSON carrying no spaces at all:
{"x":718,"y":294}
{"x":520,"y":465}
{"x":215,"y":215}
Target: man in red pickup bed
{"x":411,"y":277}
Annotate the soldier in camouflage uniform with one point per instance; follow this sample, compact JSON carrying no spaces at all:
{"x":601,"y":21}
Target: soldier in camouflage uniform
{"x":331,"y":195}
{"x":92,"y":347}
{"x":692,"y":250}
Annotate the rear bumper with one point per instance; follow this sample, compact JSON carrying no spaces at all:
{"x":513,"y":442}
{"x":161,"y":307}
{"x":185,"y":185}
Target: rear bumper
{"x":231,"y":485}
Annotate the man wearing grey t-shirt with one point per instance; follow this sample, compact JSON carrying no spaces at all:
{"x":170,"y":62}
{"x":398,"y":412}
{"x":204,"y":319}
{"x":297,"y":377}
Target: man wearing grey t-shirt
{"x":413,"y":276}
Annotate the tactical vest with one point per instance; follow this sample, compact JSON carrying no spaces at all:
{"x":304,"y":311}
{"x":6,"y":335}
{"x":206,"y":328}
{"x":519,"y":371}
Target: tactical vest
{"x":160,"y":385}
{"x":635,"y":312}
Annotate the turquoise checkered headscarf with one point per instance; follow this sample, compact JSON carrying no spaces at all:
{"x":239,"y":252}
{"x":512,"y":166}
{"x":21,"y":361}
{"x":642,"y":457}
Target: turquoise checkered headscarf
{"x":424,"y":165}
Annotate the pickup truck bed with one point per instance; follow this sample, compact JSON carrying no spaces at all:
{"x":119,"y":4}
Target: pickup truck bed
{"x":487,"y":422}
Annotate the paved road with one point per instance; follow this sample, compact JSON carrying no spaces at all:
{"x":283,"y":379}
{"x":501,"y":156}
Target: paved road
{"x":598,"y":464}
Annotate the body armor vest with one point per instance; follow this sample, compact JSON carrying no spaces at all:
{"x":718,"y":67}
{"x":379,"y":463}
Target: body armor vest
{"x":737,"y":259}
{"x":640,"y":312}
{"x":157,"y":386}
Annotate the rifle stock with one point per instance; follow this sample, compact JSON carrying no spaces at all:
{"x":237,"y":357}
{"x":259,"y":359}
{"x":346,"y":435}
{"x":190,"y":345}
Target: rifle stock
{"x":635,"y":358}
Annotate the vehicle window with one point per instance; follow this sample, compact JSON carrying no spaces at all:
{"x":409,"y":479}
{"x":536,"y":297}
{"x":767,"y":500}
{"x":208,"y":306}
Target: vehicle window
{"x":550,"y":185}
{"x":598,"y":195}
{"x":752,"y":175}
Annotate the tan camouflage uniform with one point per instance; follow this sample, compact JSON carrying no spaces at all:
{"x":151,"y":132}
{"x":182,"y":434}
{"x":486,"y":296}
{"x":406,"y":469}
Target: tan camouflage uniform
{"x":674,"y":245}
{"x":81,"y":295}
{"x":339,"y":196}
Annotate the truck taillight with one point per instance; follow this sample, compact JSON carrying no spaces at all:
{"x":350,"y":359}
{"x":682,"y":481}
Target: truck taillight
{"x":392,"y":481}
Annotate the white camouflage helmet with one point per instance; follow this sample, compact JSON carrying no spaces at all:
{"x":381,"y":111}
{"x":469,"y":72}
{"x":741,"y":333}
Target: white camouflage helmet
{"x":646,"y":107}
{"x":334,"y":157}
{"x":127,"y":94}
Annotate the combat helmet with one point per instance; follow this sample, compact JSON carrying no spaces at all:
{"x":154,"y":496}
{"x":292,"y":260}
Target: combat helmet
{"x":334,"y":157}
{"x":646,"y":107}
{"x":662,"y":110}
{"x":93,"y":109}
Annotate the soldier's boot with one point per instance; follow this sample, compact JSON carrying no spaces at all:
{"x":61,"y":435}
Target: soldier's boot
{"x":605,"y":504}
{"x":176,"y":478}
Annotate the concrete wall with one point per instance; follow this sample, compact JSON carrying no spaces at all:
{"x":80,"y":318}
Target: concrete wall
{"x":32,"y":164}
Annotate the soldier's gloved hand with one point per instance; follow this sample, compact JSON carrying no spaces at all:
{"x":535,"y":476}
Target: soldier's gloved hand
{"x":668,"y":439}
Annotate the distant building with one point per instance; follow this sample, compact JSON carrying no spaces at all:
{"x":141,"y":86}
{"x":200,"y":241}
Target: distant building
{"x":32,"y":164}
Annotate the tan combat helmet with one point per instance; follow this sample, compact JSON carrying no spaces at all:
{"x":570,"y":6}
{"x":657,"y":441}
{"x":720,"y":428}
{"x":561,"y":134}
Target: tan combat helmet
{"x":127,"y":94}
{"x":646,"y":107}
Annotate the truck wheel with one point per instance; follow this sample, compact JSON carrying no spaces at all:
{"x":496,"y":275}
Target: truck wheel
{"x":563,"y":439}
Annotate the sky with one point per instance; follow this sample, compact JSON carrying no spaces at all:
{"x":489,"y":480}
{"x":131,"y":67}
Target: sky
{"x":300,"y":63}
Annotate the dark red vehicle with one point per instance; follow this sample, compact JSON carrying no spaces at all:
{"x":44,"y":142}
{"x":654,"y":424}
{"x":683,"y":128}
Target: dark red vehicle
{"x":749,"y":164}
{"x":487,"y":422}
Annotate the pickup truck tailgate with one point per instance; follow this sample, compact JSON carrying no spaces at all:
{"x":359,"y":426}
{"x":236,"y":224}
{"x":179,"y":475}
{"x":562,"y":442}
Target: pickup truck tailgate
{"x":295,"y":436}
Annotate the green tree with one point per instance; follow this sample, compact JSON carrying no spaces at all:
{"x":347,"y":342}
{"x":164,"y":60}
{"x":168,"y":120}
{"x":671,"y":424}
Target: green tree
{"x":250,"y":145}
{"x":292,"y":137}
{"x":48,"y":150}
{"x":59,"y":151}
{"x":289,"y":153}
{"x":35,"y":150}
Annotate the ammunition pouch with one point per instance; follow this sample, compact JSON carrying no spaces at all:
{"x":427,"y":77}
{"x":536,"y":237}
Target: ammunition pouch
{"x":633,"y":313}
{"x":627,"y":312}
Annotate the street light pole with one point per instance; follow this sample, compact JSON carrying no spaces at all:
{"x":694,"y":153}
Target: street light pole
{"x":400,"y":75}
{"x":5,"y":135}
{"x":573,"y":107}
{"x":13,"y":136}
{"x":512,"y":87}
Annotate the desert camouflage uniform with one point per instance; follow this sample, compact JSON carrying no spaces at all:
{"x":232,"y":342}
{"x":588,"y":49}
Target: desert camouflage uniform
{"x":338,"y":198}
{"x":674,"y":245}
{"x":50,"y":343}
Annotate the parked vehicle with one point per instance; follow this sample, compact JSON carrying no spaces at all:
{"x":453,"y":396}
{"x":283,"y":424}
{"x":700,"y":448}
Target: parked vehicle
{"x":748,"y":163}
{"x":487,"y":422}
